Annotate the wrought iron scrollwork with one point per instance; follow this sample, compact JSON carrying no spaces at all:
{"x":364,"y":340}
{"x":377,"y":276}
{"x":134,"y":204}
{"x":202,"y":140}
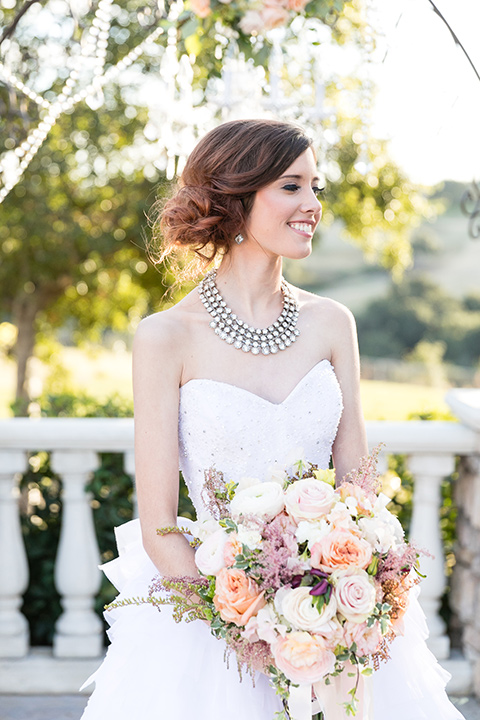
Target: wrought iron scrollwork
{"x":470,"y":204}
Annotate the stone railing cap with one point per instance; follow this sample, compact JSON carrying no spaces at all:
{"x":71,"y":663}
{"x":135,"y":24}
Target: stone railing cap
{"x":465,"y":404}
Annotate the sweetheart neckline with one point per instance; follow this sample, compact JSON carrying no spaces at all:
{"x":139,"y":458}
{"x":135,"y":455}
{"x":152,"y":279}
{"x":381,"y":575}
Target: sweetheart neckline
{"x":255,"y":395}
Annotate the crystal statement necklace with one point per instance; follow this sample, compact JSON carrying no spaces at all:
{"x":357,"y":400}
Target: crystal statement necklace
{"x":278,"y":336}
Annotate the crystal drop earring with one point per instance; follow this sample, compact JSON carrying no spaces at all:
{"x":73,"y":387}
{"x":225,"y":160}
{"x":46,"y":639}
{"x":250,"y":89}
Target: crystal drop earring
{"x":239,"y":238}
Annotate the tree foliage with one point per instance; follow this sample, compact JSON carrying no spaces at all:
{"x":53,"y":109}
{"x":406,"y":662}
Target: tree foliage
{"x":418,"y":311}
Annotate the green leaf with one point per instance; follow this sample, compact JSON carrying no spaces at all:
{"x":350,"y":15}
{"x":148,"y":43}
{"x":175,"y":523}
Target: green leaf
{"x":190,"y":27}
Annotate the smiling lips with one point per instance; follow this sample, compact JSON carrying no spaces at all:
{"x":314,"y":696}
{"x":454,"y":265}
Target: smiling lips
{"x":304,"y":227}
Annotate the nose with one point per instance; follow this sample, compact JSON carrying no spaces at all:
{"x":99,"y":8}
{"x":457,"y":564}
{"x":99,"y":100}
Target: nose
{"x":311,"y":204}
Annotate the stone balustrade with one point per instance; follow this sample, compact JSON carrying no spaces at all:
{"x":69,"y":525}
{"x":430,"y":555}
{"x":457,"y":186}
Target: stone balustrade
{"x":431,"y":449}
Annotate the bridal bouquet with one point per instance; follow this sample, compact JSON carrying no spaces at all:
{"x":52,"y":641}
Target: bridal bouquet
{"x":303,"y":581}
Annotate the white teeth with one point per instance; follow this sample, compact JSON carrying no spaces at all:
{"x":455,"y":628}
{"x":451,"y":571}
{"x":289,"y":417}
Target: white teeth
{"x":303,"y":227}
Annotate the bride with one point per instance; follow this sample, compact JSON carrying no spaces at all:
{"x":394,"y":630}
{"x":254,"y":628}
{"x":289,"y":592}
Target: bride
{"x":211,"y":389}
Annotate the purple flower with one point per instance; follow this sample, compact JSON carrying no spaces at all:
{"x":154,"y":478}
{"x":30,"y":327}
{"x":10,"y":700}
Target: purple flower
{"x":321,"y":588}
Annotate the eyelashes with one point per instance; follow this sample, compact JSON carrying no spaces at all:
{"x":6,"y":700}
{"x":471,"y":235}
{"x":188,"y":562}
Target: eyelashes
{"x":292,"y":187}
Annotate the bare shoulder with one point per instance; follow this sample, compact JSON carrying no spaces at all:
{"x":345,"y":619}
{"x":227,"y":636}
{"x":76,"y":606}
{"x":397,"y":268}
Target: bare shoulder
{"x":169,"y":328}
{"x":161,"y":338}
{"x":326,"y":310}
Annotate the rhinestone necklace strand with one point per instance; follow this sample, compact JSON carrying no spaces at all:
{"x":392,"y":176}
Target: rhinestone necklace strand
{"x":259,"y":341}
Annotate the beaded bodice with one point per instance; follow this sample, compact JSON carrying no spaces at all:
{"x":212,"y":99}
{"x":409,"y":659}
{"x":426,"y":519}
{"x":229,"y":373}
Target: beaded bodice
{"x":242,"y":434}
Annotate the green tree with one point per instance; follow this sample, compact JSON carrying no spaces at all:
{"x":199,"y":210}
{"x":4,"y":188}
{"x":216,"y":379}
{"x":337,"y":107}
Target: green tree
{"x":71,"y":235}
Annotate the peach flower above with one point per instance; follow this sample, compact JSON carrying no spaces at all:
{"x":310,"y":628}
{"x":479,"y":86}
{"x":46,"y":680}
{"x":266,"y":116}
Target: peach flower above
{"x":237,"y":597}
{"x":339,"y":550}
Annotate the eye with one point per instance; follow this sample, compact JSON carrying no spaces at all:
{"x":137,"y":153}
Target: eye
{"x":318,"y":190}
{"x":292,"y":187}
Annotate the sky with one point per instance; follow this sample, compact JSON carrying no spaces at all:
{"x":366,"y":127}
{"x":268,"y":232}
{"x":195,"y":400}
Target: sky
{"x":428,"y":100}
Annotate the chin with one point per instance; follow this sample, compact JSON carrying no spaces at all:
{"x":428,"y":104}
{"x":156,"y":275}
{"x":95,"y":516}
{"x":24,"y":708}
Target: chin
{"x":299,"y":253}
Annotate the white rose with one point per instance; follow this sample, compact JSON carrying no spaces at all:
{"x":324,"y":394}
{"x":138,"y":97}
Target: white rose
{"x":355,"y":593}
{"x":204,"y":526}
{"x":251,"y":538}
{"x":298,"y":609}
{"x":311,"y":532}
{"x":383,"y":531}
{"x":209,"y":556}
{"x":309,"y":499}
{"x":264,"y":500}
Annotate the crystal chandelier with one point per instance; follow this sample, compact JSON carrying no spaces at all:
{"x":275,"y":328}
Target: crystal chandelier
{"x":292,"y":87}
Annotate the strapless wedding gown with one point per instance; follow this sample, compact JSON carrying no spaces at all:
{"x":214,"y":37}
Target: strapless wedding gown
{"x":157,"y":669}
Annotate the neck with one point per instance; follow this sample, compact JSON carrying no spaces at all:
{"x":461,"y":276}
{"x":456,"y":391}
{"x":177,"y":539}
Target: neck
{"x":251,"y":286}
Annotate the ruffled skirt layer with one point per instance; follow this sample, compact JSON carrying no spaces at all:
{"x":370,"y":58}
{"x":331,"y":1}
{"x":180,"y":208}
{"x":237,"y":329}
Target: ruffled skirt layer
{"x":157,"y":669}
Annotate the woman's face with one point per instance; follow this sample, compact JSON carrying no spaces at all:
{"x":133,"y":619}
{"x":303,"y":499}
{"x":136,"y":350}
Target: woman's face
{"x":285,"y":213}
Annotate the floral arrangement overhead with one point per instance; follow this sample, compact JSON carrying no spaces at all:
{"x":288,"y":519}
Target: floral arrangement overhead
{"x":253,"y":17}
{"x":303,"y":581}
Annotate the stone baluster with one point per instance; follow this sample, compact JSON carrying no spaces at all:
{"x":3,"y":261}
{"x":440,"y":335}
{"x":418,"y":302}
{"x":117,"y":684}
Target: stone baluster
{"x":14,"y":633}
{"x":428,"y":471}
{"x":129,"y":465}
{"x":78,"y":631}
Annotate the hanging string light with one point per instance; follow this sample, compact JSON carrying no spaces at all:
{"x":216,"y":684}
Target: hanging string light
{"x":93,"y":52}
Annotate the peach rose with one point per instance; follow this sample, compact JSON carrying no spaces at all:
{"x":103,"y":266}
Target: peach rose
{"x":237,"y":597}
{"x":297,"y":5}
{"x":366,"y":638}
{"x":251,"y":22}
{"x":339,"y":550}
{"x":201,"y":7}
{"x":274,"y":14}
{"x":233,"y":547}
{"x":304,"y":658}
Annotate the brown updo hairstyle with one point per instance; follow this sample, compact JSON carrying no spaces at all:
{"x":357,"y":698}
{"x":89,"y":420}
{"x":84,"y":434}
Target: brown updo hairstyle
{"x":217,"y":187}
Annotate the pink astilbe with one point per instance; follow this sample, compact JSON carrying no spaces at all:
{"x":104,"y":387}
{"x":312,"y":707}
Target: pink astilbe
{"x":397,"y":563}
{"x":366,"y":476}
{"x":215,"y":494}
{"x":182,"y":593}
{"x":250,"y":656}
{"x":279,"y":553}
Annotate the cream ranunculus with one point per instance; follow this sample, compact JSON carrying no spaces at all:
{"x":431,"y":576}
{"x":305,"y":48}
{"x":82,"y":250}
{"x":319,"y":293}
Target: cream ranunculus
{"x":309,"y":499}
{"x":209,"y":557}
{"x":264,"y":500}
{"x":355,"y":593}
{"x":298,"y":609}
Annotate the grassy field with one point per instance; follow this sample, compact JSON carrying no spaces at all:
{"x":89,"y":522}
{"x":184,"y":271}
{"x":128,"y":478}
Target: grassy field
{"x":101,"y":373}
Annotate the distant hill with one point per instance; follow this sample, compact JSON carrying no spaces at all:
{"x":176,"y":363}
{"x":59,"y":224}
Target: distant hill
{"x":451,"y":191}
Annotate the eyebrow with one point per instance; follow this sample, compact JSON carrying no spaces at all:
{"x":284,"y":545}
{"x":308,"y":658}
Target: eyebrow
{"x":296,"y":177}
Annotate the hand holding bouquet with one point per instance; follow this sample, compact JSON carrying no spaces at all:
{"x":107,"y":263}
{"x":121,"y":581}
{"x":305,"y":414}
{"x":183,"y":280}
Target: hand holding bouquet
{"x":303,"y":581}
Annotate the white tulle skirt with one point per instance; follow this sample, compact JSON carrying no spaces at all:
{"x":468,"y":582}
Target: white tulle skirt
{"x":157,"y":669}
